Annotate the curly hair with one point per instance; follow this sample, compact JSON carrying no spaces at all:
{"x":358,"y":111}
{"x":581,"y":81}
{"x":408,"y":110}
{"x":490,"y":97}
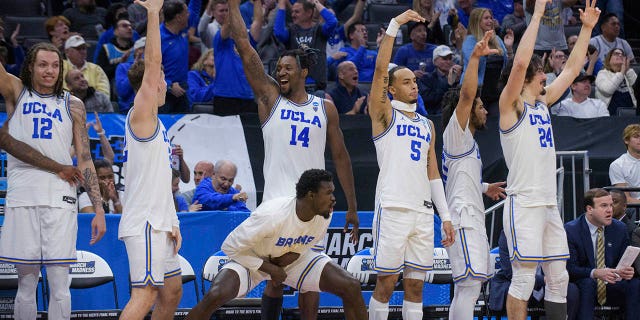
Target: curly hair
{"x":535,"y":65}
{"x":306,"y":57}
{"x":450,"y":102}
{"x":26,"y":73}
{"x":310,"y":181}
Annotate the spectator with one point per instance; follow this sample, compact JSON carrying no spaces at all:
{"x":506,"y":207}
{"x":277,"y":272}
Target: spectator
{"x":303,"y":32}
{"x":412,"y":54}
{"x":435,"y":84}
{"x":591,"y":262}
{"x":427,"y":10}
{"x":516,"y":21}
{"x":57,"y":28}
{"x":614,"y":84}
{"x":110,"y":195}
{"x":75,"y":48}
{"x":625,"y":171}
{"x":490,"y":67}
{"x":117,"y":50}
{"x":553,"y":66}
{"x":175,"y":50}
{"x":551,"y":31}
{"x":11,"y":53}
{"x":93,"y":100}
{"x":217,"y":193}
{"x":105,"y":145}
{"x":203,"y":169}
{"x":346,"y":95}
{"x":123,"y":87}
{"x":201,"y":79}
{"x":620,"y":211}
{"x":212,"y":19}
{"x":609,"y":39}
{"x":614,"y":7}
{"x":593,"y":64}
{"x":579,"y":105}
{"x":463,"y":13}
{"x":115,"y":12}
{"x":340,"y":37}
{"x":183,"y":168}
{"x":179,"y":201}
{"x":357,"y":52}
{"x":86,"y":18}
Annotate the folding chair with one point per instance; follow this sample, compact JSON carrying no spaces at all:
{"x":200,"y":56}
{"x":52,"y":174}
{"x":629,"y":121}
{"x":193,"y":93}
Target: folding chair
{"x":189,"y":275}
{"x":91,"y":271}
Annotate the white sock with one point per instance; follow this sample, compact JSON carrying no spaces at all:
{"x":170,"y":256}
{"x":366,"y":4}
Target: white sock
{"x":378,"y":310}
{"x":59,"y":297}
{"x":411,"y":310}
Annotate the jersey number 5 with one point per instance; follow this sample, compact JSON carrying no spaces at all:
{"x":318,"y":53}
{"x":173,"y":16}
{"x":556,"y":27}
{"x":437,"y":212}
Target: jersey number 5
{"x":42,"y":128}
{"x":415,"y":150}
{"x":303,"y":136}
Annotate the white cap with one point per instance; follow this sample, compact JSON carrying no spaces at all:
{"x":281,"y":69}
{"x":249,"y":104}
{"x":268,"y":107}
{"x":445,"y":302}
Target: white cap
{"x":441,"y":51}
{"x":74,"y":42}
{"x":391,"y":66}
{"x":140,"y":43}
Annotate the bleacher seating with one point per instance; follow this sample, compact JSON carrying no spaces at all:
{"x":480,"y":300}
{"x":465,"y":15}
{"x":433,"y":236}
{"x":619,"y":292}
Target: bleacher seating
{"x":382,"y":13}
{"x":25,"y":8}
{"x":30,"y":27}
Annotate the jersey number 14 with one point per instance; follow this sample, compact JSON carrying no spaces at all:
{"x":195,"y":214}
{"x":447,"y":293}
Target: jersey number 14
{"x":302,"y":136}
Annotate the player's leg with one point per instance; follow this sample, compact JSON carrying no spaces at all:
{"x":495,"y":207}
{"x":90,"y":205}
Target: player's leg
{"x":60,"y":296}
{"x":25,"y":302}
{"x":271,"y":305}
{"x":555,"y":271}
{"x":338,"y":281}
{"x":170,"y":294}
{"x":141,"y":301}
{"x":309,"y":302}
{"x":413,"y":283}
{"x":466,"y":294}
{"x":233,"y":281}
{"x":522,"y":283}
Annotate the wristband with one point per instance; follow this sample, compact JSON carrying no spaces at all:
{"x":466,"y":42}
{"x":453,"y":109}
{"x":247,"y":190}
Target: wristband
{"x":392,"y":29}
{"x":101,"y":133}
{"x":440,"y":201}
{"x":485,"y":187}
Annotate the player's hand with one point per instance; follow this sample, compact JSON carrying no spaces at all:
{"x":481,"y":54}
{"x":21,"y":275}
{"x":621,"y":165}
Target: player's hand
{"x":71,"y":174}
{"x":541,"y":6}
{"x":590,"y":15}
{"x":278,"y":275}
{"x":496,"y":191}
{"x":352,"y":219}
{"x":195,"y":207}
{"x":407,"y":16}
{"x":448,"y":234}
{"x":482,"y":47}
{"x":285,"y":259}
{"x":98,"y":227}
{"x":155,"y":5}
{"x":177,"y":239}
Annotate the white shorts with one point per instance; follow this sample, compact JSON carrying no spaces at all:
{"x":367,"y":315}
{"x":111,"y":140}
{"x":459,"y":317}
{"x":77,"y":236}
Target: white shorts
{"x":402,"y":238}
{"x":151,"y":258}
{"x":39,"y":235}
{"x":302,"y":275}
{"x":534,"y":234}
{"x":469,"y":255}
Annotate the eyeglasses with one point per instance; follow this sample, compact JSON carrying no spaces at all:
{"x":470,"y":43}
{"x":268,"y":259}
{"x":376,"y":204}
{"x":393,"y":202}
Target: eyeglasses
{"x":618,"y":53}
{"x":560,"y":56}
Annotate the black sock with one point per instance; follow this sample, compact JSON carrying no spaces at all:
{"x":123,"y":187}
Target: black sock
{"x":555,"y":311}
{"x":270,"y":308}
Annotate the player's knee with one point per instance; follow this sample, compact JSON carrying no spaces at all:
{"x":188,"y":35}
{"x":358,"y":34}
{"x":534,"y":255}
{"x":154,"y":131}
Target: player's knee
{"x":145,"y":294}
{"x":556,"y":287}
{"x":384,"y":286}
{"x":522,"y":286}
{"x":349,"y":287}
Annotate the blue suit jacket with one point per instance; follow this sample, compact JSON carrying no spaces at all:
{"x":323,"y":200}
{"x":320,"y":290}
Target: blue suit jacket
{"x":583,"y":259}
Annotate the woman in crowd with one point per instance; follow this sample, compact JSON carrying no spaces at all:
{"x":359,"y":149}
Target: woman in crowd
{"x":427,"y":10}
{"x":614,"y":83}
{"x":57,"y":28}
{"x":201,"y":78}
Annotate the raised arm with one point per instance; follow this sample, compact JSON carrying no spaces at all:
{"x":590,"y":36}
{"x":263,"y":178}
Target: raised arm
{"x":379,"y":104}
{"x":513,"y":88}
{"x":257,"y":21}
{"x":10,"y":88}
{"x":85,"y":164}
{"x":144,"y":116}
{"x":589,"y":18}
{"x":358,"y":10}
{"x":470,"y":81}
{"x":264,"y":87}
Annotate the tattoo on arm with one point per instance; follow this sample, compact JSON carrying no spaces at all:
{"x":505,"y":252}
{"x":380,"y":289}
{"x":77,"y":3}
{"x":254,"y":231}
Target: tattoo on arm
{"x":26,"y":153}
{"x":385,"y":82}
{"x":92,"y":187}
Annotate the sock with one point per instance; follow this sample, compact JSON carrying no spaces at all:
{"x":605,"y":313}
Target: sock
{"x":411,"y":310}
{"x":378,"y":310}
{"x":555,"y":311}
{"x":270,"y":308}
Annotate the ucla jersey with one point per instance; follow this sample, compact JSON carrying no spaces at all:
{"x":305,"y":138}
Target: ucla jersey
{"x":294,"y":136}
{"x":43,"y":122}
{"x":461,"y":170}
{"x":530,"y":154}
{"x":147,"y":173}
{"x":402,"y":151}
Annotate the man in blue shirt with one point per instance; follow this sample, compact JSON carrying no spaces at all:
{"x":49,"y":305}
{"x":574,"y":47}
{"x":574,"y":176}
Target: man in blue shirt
{"x":412,"y":54}
{"x":217,"y":193}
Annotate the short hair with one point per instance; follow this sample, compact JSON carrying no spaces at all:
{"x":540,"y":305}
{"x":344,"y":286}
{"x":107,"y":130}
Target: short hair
{"x":607,"y":17}
{"x":306,"y":57}
{"x":172,"y":8}
{"x":310,"y":181}
{"x":222,"y":163}
{"x":629,"y":131}
{"x":450,"y":103}
{"x":26,"y":73}
{"x":50,"y":24}
{"x":533,"y":67}
{"x":135,"y":74}
{"x":111,"y":19}
{"x":352,"y":27}
{"x":308,"y":5}
{"x":392,"y":73}
{"x":592,"y":194}
{"x":102,"y":163}
{"x":619,"y":193}
{"x":607,"y":57}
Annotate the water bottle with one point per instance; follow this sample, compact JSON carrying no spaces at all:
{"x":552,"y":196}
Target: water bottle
{"x":175,"y":159}
{"x":399,"y":41}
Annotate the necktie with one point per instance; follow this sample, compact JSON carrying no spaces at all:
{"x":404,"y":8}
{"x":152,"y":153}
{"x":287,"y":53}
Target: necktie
{"x":602,"y":286}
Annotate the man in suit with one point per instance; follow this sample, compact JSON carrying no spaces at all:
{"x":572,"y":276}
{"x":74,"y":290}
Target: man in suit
{"x":597,"y":232}
{"x":620,"y":210}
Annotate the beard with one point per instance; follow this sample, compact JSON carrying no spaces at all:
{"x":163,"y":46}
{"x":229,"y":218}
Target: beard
{"x":477,"y":124}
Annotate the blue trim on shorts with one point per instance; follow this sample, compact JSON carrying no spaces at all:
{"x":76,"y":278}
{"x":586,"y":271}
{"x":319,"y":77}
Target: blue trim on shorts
{"x":12,"y":260}
{"x":173,"y":273}
{"x":307,"y":270}
{"x":468,"y":270}
{"x":417,"y":266}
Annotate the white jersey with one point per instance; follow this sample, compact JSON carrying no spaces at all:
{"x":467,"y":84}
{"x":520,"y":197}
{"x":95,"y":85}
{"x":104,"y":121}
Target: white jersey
{"x":271,"y":231}
{"x":43,"y":122}
{"x":402,"y":151}
{"x":294,"y":136}
{"x":147,"y":172}
{"x":530,"y":154}
{"x":461,"y":170}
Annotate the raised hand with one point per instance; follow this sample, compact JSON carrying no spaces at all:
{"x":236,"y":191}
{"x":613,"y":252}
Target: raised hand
{"x":14,"y":36}
{"x":407,"y":16}
{"x":482,"y":47}
{"x":541,"y":6}
{"x":509,"y":38}
{"x":155,"y":5}
{"x":589,"y":16}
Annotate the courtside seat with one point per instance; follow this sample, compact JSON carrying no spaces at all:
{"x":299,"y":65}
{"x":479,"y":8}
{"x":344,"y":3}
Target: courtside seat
{"x":91,"y":271}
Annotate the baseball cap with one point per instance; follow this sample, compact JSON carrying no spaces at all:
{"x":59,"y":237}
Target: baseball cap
{"x":140,"y":43}
{"x":413,"y":25}
{"x":74,"y":42}
{"x":583,"y":76}
{"x":441,"y":51}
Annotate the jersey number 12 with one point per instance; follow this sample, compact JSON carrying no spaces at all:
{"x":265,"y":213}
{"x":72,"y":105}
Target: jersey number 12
{"x":42,"y":128}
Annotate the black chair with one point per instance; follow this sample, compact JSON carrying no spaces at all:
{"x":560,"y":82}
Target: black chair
{"x":30,"y":26}
{"x":91,"y":271}
{"x":25,"y":8}
{"x":382,"y":13}
{"x":189,"y":275}
{"x":202,"y":108}
{"x":626,"y":112}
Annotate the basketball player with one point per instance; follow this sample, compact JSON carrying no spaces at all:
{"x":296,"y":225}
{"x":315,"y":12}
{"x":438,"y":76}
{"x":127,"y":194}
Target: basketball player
{"x":296,"y":127}
{"x":40,"y":226}
{"x":463,"y":115}
{"x":408,"y":184}
{"x":276,"y":243}
{"x":149,"y":226}
{"x":533,"y":226}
